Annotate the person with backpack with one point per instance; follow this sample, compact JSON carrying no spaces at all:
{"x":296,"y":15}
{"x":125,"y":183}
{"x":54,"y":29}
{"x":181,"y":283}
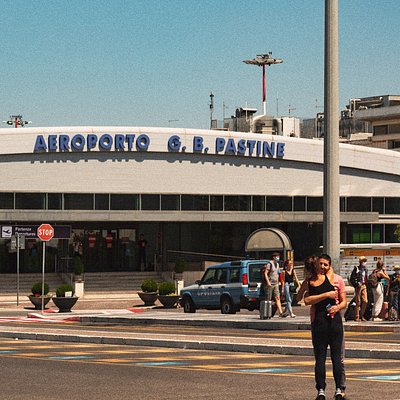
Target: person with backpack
{"x":358,"y":279}
{"x":394,"y":294}
{"x":270,"y":281}
{"x":374,"y":281}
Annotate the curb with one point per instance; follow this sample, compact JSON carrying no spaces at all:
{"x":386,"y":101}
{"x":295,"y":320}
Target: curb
{"x":255,"y":324}
{"x":196,"y":345}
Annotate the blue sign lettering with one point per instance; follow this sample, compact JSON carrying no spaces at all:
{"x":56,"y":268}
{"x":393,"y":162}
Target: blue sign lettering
{"x":105,"y":142}
{"x":91,"y":141}
{"x":219,"y":144}
{"x":197,"y":144}
{"x":63,"y":142}
{"x":174,"y":143}
{"x":78,"y":142}
{"x":142,"y":143}
{"x":40,"y":144}
{"x":122,"y":142}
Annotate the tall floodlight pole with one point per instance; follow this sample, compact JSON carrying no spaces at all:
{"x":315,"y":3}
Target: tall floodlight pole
{"x":262,"y":60}
{"x":331,"y":139}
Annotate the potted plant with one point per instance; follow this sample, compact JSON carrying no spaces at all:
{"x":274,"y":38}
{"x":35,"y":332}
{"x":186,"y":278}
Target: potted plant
{"x":65,"y":298}
{"x":149,"y":292}
{"x":36,"y":296}
{"x":79,"y":268}
{"x":166,"y":294}
{"x":179,"y":268}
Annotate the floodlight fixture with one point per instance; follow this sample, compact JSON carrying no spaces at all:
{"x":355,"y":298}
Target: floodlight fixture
{"x":263,"y":60}
{"x":17,"y":121}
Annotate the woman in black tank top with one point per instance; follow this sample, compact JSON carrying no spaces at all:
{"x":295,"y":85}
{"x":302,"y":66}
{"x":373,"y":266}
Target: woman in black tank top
{"x":327,"y":327}
{"x":289,"y":278}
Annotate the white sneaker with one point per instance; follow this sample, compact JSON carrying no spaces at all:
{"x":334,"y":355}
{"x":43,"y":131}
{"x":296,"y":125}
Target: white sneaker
{"x":321,"y":394}
{"x":293,"y":316}
{"x":338,"y":394}
{"x":377,"y":319}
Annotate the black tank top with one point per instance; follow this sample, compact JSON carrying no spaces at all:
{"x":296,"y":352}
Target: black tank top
{"x":326,"y":286}
{"x":289,"y":277}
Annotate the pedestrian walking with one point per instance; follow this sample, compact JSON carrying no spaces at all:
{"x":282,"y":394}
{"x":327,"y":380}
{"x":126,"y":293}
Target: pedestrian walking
{"x":358,"y":279}
{"x":141,"y":253}
{"x":291,"y":283}
{"x":327,"y":296}
{"x":310,"y":264}
{"x":270,"y":284}
{"x":377,"y":289}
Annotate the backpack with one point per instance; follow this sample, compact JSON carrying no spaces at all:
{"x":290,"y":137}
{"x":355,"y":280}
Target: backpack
{"x":353,"y":278}
{"x":372,"y":280}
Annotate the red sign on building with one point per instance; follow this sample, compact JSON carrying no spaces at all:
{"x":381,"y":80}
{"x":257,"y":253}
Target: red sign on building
{"x":45,"y":232}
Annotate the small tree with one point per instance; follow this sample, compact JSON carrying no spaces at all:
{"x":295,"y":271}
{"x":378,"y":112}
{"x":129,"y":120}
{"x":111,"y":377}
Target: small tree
{"x":397,"y":232}
{"x":60,"y":292}
{"x":166,"y":288}
{"x":149,"y":286}
{"x":79,"y":268}
{"x":179,"y":266}
{"x":37,"y":289}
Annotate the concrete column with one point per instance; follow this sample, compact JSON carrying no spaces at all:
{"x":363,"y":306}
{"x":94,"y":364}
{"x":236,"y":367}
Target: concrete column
{"x":331,"y":139}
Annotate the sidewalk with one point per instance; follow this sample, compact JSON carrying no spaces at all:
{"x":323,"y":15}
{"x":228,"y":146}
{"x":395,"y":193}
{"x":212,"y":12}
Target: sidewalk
{"x":120,"y":310}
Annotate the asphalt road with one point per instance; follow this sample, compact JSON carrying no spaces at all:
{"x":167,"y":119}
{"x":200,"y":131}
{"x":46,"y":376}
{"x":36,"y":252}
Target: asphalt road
{"x":381,"y":337}
{"x":52,"y":370}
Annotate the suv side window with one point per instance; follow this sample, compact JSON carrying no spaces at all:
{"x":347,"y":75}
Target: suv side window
{"x":209,"y":277}
{"x":222,"y":275}
{"x":255,"y":272}
{"x":234,"y":275}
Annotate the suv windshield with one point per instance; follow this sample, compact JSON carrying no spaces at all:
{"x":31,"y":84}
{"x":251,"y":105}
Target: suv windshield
{"x":255,"y":272}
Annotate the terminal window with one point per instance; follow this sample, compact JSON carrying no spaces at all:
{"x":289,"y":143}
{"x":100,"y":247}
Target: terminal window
{"x":194,"y":203}
{"x":150,"y":202}
{"x":124,"y":201}
{"x":78,"y":201}
{"x":30,"y":201}
{"x":6,"y":201}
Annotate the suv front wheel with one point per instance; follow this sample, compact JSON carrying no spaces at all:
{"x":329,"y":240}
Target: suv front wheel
{"x":188,"y":305}
{"x":227,"y":306}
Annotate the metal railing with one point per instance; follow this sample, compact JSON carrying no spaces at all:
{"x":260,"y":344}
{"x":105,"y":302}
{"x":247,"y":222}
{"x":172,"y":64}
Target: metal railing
{"x":192,"y":257}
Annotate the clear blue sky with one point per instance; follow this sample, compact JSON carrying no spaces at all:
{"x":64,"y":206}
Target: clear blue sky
{"x":145,"y":62}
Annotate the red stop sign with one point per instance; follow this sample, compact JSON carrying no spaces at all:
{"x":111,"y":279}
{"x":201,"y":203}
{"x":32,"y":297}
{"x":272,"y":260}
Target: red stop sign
{"x":45,"y":232}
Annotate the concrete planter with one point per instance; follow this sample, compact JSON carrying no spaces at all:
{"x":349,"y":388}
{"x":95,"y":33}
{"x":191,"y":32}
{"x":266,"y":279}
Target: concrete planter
{"x":148,"y":298}
{"x":65,"y":304}
{"x":168,"y":301}
{"x":37,"y":301}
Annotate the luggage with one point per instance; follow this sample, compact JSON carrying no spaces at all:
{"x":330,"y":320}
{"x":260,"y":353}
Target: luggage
{"x":393,"y":314}
{"x":368,"y":311}
{"x":385,"y":311}
{"x":350,"y":314}
{"x":265,"y":309}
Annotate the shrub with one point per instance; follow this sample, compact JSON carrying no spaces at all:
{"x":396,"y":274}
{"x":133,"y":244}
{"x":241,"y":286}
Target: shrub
{"x":179,"y":265}
{"x":60,"y":292}
{"x":78,"y":266}
{"x":166,"y":288}
{"x":37,"y":289}
{"x":149,"y":286}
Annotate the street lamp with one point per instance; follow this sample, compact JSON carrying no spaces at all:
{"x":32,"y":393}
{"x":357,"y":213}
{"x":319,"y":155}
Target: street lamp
{"x":17,"y":121}
{"x":262,"y":60}
{"x":211,"y":109}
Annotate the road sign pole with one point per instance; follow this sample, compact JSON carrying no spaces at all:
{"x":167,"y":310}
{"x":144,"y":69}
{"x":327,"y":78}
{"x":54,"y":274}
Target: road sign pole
{"x":44,"y":261}
{"x":45,"y":233}
{"x":18,"y":245}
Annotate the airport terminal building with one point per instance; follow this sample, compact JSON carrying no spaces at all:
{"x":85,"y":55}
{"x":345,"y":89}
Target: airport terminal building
{"x":191,"y":193}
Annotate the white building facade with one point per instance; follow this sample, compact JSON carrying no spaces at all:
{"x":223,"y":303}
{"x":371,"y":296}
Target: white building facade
{"x":193,"y":192}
